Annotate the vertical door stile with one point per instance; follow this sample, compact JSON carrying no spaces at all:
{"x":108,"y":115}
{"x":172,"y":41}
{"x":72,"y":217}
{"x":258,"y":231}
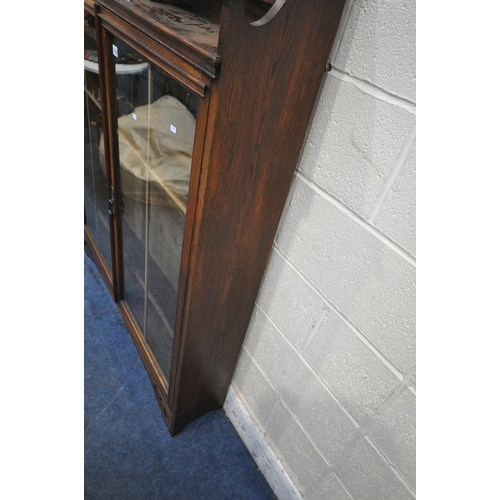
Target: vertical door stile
{"x":148,"y":205}
{"x":108,"y":85}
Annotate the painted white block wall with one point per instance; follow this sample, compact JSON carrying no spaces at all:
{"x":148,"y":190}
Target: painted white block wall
{"x":326,"y":379}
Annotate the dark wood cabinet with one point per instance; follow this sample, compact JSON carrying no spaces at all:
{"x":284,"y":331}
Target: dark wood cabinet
{"x":195,"y":114}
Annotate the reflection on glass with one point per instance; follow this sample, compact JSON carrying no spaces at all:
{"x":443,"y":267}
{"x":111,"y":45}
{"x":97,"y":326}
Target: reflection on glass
{"x":156,"y":125}
{"x":95,"y":194}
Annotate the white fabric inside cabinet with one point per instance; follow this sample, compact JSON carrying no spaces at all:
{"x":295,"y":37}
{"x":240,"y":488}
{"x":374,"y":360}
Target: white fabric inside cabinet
{"x":156,"y":146}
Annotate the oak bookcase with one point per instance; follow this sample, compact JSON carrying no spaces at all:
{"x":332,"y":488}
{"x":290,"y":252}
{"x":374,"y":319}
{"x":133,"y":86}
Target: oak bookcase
{"x":195,"y":114}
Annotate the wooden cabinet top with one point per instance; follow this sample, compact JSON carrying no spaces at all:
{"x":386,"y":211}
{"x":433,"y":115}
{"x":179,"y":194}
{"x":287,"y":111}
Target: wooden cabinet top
{"x":190,"y":30}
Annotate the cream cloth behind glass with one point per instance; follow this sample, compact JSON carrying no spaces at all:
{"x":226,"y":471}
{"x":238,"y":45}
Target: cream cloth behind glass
{"x":167,"y":157}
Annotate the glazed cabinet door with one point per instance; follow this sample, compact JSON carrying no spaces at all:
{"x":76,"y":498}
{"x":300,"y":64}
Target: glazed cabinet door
{"x":97,"y":221}
{"x":154,"y":124}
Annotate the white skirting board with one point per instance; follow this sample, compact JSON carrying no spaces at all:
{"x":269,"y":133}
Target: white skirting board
{"x":264,"y":457}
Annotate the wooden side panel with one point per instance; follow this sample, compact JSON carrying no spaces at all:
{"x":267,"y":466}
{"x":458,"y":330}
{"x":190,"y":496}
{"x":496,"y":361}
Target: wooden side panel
{"x":259,"y":112}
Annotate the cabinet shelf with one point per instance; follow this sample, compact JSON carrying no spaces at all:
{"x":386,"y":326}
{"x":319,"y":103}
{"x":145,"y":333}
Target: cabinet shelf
{"x":121,"y":69}
{"x":155,"y":304}
{"x":93,"y":98}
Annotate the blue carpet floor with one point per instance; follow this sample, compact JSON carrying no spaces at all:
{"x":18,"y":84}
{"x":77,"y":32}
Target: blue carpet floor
{"x":129,"y":453}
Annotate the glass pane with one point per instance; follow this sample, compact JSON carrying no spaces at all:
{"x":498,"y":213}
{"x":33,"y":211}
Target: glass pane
{"x":95,"y":194}
{"x":156,"y":125}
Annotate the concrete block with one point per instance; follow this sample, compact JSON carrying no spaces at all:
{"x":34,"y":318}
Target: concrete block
{"x":326,"y":423}
{"x":328,"y":488}
{"x":379,"y":45}
{"x":372,"y":285}
{"x":298,"y":456}
{"x":353,"y":143}
{"x":366,"y":476}
{"x":289,"y":301}
{"x":350,"y":369}
{"x":394,"y":433}
{"x":397,"y":216}
{"x":254,"y":389}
